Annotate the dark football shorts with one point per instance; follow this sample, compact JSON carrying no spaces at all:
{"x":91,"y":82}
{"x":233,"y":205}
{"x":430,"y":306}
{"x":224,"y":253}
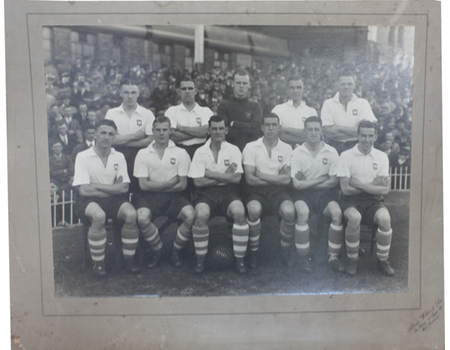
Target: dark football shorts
{"x":162,"y":204}
{"x":110,"y":206}
{"x":317,"y":200}
{"x":270,"y":197}
{"x":218,"y":198}
{"x":366,"y":204}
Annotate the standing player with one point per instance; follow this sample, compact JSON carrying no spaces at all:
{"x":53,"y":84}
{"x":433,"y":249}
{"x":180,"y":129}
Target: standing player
{"x":316,"y":190}
{"x":101,"y":174}
{"x":162,"y":170}
{"x":363,"y":173}
{"x":293,"y":113}
{"x":134,"y":126}
{"x":242,"y":115}
{"x":267,"y":177}
{"x":342,"y":113}
{"x":217,"y":171}
{"x":189,"y":120}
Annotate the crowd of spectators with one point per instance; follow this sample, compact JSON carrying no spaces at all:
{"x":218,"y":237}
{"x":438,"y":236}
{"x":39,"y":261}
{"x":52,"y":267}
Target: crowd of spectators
{"x":80,"y":94}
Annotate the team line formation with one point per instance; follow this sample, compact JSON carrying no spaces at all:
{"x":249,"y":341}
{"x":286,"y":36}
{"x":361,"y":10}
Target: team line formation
{"x":191,"y":164}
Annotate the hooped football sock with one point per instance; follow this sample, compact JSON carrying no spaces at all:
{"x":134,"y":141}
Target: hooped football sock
{"x":130,"y":239}
{"x":97,"y":243}
{"x":201,"y":237}
{"x":302,"y":239}
{"x":240,"y":239}
{"x":383,"y":240}
{"x":335,"y":239}
{"x":254,"y":234}
{"x":352,"y":242}
{"x":287,"y":233}
{"x":182,"y":237}
{"x":151,"y":235}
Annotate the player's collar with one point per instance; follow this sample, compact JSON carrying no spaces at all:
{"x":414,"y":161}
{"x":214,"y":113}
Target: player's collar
{"x":151,"y":149}
{"x":183,"y":107}
{"x":137,"y":110}
{"x":290,"y":102}
{"x":336,"y":98}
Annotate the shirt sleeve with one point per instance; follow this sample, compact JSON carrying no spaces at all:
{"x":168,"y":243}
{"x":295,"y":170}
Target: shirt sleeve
{"x":367,"y":112}
{"x":343,"y":167}
{"x":173,"y":121}
{"x":198,"y":167}
{"x":81,"y":176}
{"x":149,"y":125}
{"x":206,"y":116}
{"x":248,"y":156}
{"x":236,"y":157}
{"x":296,"y":164}
{"x":184,"y":164}
{"x":334,"y":159}
{"x":140,"y":169}
{"x":327,"y":114}
{"x":384,"y":168}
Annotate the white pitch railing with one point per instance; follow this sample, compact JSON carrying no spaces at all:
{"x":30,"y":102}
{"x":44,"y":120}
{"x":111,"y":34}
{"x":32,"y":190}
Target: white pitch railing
{"x":62,"y":206}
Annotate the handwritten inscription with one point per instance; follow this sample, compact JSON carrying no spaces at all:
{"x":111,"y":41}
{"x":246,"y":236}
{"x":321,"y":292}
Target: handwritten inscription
{"x":427,"y":317}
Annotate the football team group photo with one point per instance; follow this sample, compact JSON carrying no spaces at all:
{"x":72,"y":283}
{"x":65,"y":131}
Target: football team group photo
{"x":278,"y":166}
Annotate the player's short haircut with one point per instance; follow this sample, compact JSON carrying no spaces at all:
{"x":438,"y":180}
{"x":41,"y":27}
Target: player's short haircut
{"x":107,"y":122}
{"x":313,"y":119}
{"x":129,"y":82}
{"x":242,"y":72}
{"x":270,"y":115}
{"x":216,"y":119}
{"x":347,"y":73}
{"x":162,"y":119}
{"x":294,"y":78}
{"x":185,"y":80}
{"x":61,"y":122}
{"x":368,"y":125}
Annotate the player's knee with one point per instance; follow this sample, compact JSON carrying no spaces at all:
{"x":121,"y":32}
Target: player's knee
{"x":302,"y":211}
{"x":254,"y":211}
{"x":98,"y":217}
{"x":129,"y":217}
{"x":201,"y":217}
{"x":353,"y":218}
{"x":383,"y":219}
{"x":336,"y":217}
{"x":143,"y":219}
{"x":188,"y":216}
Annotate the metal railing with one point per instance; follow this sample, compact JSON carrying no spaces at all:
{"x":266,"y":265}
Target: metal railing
{"x":63,"y":213}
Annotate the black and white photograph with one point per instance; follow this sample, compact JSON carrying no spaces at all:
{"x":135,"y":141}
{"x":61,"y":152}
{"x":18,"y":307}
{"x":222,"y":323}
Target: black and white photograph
{"x":211,"y":175}
{"x":285,"y":220}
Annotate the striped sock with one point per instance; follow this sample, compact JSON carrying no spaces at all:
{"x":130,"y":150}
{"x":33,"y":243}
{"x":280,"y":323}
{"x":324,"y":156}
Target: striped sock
{"x":383,"y":244}
{"x":302,"y":239}
{"x":201,"y":238}
{"x":352,"y":242}
{"x":287,"y":233}
{"x":151,"y":235}
{"x":254,"y":235}
{"x":182,"y":237}
{"x":335,"y":238}
{"x":97,"y":244}
{"x":130,"y":240}
{"x":240,"y":239}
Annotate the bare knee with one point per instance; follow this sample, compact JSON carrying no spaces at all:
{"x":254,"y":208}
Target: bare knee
{"x":254,"y":210}
{"x":143,"y":218}
{"x":353,"y":218}
{"x":287,"y":211}
{"x":302,"y":212}
{"x":188,"y":215}
{"x":201,"y":216}
{"x":383,"y":219}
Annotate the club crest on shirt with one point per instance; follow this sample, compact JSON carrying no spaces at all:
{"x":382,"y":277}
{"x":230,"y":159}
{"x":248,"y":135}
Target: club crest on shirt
{"x":226,"y":162}
{"x":199,"y":121}
{"x":139,"y":122}
{"x":172,"y":161}
{"x":324,"y":161}
{"x":248,"y":115}
{"x":280,"y":159}
{"x":375,"y":166}
{"x":303,"y":119}
{"x":355,"y":112}
{"x":116,"y":167}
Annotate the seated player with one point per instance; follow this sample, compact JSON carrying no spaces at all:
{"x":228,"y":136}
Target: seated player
{"x":363,"y":173}
{"x":217,"y":170}
{"x":316,"y":190}
{"x":267,"y":177}
{"x":162,"y":170}
{"x":102,"y":178}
